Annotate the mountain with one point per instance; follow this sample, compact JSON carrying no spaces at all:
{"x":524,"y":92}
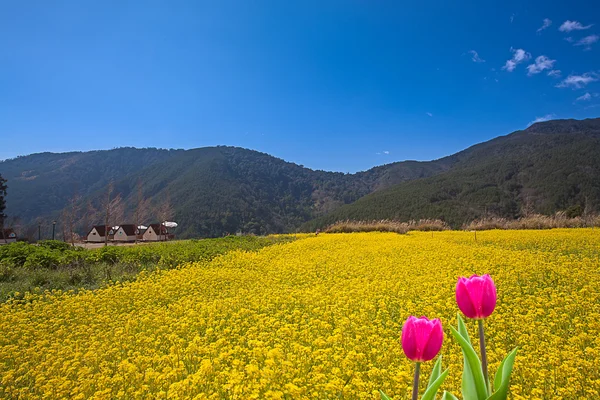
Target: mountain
{"x":548,"y":167}
{"x":211,"y":191}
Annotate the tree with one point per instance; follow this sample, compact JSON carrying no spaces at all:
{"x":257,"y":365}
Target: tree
{"x":164,"y":212}
{"x":142,"y":206}
{"x":113,"y":210}
{"x":70,"y":214}
{"x":3,"y":188}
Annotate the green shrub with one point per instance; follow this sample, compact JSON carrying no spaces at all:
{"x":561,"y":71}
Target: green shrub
{"x":55,"y":245}
{"x":17,"y":253}
{"x":43,"y":258}
{"x":109,"y":255}
{"x":6,"y":271}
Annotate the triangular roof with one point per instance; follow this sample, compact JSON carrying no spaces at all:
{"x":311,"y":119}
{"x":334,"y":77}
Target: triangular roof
{"x":129,"y":229}
{"x":101,"y":229}
{"x":159,"y":229}
{"x":5,"y":234}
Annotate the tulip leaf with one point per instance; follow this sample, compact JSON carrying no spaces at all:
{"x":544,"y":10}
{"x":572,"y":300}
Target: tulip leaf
{"x":436,"y":371}
{"x":384,"y":396}
{"x":473,"y":378}
{"x":449,"y":396}
{"x":502,"y":380}
{"x":462,"y":329}
{"x":469,"y":390}
{"x":432,"y":388}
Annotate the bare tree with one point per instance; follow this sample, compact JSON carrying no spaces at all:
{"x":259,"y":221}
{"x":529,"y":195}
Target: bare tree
{"x":70,"y":215}
{"x":15,"y":223}
{"x":142,"y":207}
{"x":587,"y":213}
{"x":165,"y":212}
{"x":88,"y":215}
{"x":113,"y":210}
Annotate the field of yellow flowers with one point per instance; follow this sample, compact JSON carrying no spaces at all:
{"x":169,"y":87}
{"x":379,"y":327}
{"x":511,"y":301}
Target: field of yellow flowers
{"x":318,"y":318}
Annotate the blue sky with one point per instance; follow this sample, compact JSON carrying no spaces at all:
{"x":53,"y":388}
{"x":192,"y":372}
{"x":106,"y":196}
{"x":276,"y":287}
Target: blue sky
{"x":334,"y":85}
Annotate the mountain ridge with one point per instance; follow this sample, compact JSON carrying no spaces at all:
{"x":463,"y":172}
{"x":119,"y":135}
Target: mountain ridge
{"x":548,"y":167}
{"x":224,"y":189}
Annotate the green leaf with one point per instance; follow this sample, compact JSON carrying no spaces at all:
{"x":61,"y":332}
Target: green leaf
{"x":432,"y":389}
{"x":384,"y":396}
{"x":436,"y":371}
{"x":469,"y":389}
{"x":462,"y":329}
{"x":449,"y":396}
{"x":502,"y":380}
{"x":475,"y":377}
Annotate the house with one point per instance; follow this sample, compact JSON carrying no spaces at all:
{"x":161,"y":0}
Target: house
{"x":125,"y":233}
{"x":7,"y":236}
{"x":139,"y":232}
{"x":96,"y":234}
{"x":156,"y":232}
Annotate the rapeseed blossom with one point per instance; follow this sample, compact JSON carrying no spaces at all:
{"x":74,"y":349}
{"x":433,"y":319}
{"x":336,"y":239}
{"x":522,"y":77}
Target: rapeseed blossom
{"x":316,"y":318}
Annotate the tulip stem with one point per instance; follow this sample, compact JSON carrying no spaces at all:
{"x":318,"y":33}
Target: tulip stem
{"x":484,"y":364}
{"x":415,"y":394}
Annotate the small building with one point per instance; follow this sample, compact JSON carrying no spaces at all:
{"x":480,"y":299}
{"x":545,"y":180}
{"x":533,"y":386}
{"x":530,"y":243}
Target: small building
{"x":139,"y":232}
{"x":125,"y":233}
{"x":7,"y":236}
{"x":156,"y":232}
{"x":96,"y":234}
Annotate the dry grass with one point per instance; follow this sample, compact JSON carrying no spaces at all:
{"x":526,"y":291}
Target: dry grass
{"x":387,"y":226}
{"x":536,"y":221}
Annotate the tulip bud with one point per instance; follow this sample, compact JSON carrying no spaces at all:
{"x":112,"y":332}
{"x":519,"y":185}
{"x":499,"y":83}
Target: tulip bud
{"x":421,"y":338}
{"x":476,"y":296}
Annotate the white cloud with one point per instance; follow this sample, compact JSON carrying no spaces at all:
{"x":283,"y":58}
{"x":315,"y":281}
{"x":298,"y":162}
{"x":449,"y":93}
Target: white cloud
{"x":555,"y":73}
{"x":512,"y":18}
{"x":546,"y":24}
{"x":569,"y":26}
{"x":519,"y":55}
{"x":585,"y":97}
{"x":546,"y":117}
{"x":386,"y":152}
{"x":430,"y":114}
{"x":588,"y":41}
{"x":578,"y":81}
{"x":569,"y":39}
{"x":541,"y":63}
{"x":475,"y":57}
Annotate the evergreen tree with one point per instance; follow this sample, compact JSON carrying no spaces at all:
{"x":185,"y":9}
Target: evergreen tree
{"x":3,"y":188}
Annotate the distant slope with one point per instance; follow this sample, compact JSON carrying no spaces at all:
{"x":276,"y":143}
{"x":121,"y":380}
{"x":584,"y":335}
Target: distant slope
{"x":215,"y":190}
{"x":40,"y":185}
{"x":545,"y":168}
{"x":212,"y":190}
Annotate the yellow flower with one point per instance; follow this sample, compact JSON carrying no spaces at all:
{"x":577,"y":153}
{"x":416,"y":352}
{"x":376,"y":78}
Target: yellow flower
{"x":313,"y":319}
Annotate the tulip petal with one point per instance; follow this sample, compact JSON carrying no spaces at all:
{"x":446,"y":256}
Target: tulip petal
{"x":409,"y":341}
{"x":434,"y":342}
{"x":463,"y":299}
{"x":476,"y":296}
{"x":422,"y":338}
{"x":489,"y":296}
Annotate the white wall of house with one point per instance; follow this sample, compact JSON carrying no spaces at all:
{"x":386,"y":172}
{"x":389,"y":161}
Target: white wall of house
{"x":121,"y":236}
{"x":150,"y":235}
{"x":94,"y":236}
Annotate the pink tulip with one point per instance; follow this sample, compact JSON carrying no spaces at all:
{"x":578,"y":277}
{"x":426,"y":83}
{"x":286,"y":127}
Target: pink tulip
{"x":421,"y":338}
{"x":476,"y":296}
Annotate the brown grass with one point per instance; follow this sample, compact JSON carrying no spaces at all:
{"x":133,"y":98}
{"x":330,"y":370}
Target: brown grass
{"x":387,"y":226}
{"x":536,"y":221}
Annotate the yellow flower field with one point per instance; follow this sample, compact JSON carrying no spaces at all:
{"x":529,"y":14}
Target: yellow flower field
{"x":318,"y":318}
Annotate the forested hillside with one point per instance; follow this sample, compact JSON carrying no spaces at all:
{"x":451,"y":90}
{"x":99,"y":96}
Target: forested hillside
{"x":548,"y":167}
{"x":208,"y":191}
{"x":211,"y":191}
